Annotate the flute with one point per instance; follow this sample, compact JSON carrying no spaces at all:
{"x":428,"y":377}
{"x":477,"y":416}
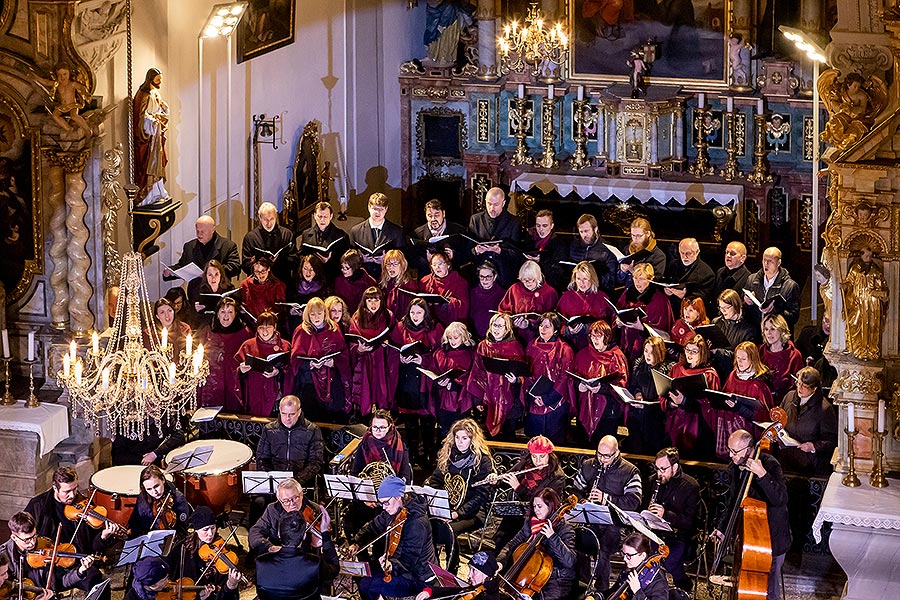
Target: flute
{"x":516,"y":473}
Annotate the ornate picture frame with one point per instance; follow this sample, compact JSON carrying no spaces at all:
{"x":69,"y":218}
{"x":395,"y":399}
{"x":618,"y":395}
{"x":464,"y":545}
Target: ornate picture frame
{"x":441,"y":136}
{"x":696,"y":52}
{"x":267,"y":25}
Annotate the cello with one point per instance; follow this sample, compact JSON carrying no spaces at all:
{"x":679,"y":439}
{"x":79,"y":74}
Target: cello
{"x":752,"y":540}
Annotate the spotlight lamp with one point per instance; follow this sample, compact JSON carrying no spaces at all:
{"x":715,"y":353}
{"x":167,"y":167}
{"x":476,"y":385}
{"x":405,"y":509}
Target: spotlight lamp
{"x":223,"y":19}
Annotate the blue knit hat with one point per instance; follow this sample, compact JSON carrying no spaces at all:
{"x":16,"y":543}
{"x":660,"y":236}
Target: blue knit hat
{"x":391,"y":487}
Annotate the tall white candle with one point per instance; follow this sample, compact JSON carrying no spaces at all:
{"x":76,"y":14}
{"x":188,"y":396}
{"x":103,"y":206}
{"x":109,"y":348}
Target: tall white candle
{"x":729,"y":104}
{"x":881,"y":416}
{"x":105,"y":376}
{"x":550,"y":91}
{"x":165,"y":338}
{"x":701,"y":100}
{"x":5,"y":335}
{"x":73,"y":351}
{"x":67,"y":365}
{"x":521,"y":90}
{"x":851,"y":417}
{"x":188,"y":344}
{"x":95,"y":343}
{"x":171,"y":373}
{"x":30,"y":345}
{"x":78,"y":370}
{"x":760,"y":107}
{"x":580,"y":92}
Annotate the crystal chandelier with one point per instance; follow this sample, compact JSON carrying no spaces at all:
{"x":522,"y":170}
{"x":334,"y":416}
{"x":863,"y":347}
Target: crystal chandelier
{"x":129,"y":383}
{"x":533,"y":48}
{"x":132,"y":384}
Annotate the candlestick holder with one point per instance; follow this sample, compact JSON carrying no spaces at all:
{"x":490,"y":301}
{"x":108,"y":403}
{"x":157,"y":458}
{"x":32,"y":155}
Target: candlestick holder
{"x":32,"y":401}
{"x":850,"y":479}
{"x":877,"y":478}
{"x":548,"y":134}
{"x":579,"y":158}
{"x":760,"y":174}
{"x":730,"y":169}
{"x":701,"y":166}
{"x":523,"y":117}
{"x":8,"y":399}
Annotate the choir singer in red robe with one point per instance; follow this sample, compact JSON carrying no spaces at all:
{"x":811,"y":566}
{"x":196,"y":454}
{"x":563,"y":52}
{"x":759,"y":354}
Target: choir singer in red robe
{"x":375,"y":367}
{"x":600,"y":411}
{"x":547,"y":391}
{"x":583,"y":297}
{"x":530,"y":294}
{"x":641,"y":293}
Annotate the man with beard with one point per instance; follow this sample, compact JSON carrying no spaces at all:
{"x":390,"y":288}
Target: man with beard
{"x":696,"y":277}
{"x":151,"y":119}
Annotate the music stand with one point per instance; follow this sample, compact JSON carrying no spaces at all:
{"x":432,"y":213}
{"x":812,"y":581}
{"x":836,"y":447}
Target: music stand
{"x":152,"y":544}
{"x":191,"y":459}
{"x":348,"y":487}
{"x":588,"y":513}
{"x":95,"y":592}
{"x":355,"y":568}
{"x":628,"y":520}
{"x":263,"y":482}
{"x":438,"y":500}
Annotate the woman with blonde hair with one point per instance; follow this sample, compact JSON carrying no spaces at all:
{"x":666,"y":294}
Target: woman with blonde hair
{"x":396,"y":281}
{"x":583,"y":298}
{"x":457,"y":351}
{"x":651,"y":299}
{"x":464,"y":459}
{"x":321,"y":377}
{"x":750,"y":378}
{"x":337,"y":310}
{"x":779,"y":354}
{"x":530,"y":294}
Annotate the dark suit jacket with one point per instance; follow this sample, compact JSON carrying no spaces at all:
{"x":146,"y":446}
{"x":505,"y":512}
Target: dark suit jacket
{"x":699,"y":278}
{"x":505,"y":227}
{"x":317,"y":237}
{"x":362,"y":235}
{"x":459,"y":245}
{"x":728,"y":279}
{"x":273,"y":241}
{"x":218,"y":248}
{"x":784,"y":285}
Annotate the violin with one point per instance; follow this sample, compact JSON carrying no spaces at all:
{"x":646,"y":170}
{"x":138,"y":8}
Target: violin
{"x":216,"y":555}
{"x":623,"y":591}
{"x":166,"y":518}
{"x":393,"y":541}
{"x":181,"y":589}
{"x":65,"y":554}
{"x":94,"y":515}
{"x":10,"y":589}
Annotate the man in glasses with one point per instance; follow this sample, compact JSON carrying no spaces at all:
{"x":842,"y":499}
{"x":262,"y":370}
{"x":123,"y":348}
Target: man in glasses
{"x":768,"y":486}
{"x":265,"y":536}
{"x":674,"y":497}
{"x":608,"y":479}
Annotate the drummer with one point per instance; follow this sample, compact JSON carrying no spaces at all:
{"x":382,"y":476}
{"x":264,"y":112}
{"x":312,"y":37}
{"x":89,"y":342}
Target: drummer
{"x":48,"y":510}
{"x":159,"y":505}
{"x":202,"y":523}
{"x":264,"y":535}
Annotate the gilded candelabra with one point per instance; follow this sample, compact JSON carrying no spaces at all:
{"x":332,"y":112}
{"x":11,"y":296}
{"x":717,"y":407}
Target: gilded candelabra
{"x":730,"y":169}
{"x":760,"y":174}
{"x":536,"y":47}
{"x":877,"y":478}
{"x":8,"y":399}
{"x":523,"y":118}
{"x":582,"y":112}
{"x":850,"y":479}
{"x":701,"y":166}
{"x":548,"y":134}
{"x":32,"y":401}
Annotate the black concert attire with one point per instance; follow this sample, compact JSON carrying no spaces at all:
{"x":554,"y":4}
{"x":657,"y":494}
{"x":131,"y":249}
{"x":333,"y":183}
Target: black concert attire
{"x":49,"y":514}
{"x":299,"y":449}
{"x":505,"y":227}
{"x":463,"y":465}
{"x":551,"y":251}
{"x":620,"y":483}
{"x":313,"y":236}
{"x":646,"y":423}
{"x":291,"y":574}
{"x":409,"y":563}
{"x":656,"y":259}
{"x":63,"y":579}
{"x":598,"y":254}
{"x":265,"y":532}
{"x":418,"y":257}
{"x":653,"y":584}
{"x":364,"y":235}
{"x":783,"y":285}
{"x":727,"y":279}
{"x":281,"y":241}
{"x":560,"y":547}
{"x":698,"y":280}
{"x":813,"y":420}
{"x":771,"y":489}
{"x":126,"y":451}
{"x":679,"y":497}
{"x":143,"y":516}
{"x":218,"y":248}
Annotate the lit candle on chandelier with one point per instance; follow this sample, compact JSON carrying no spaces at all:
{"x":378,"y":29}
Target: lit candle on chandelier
{"x":95,"y":343}
{"x":188,"y":344}
{"x":78,"y":370}
{"x":67,"y":365}
{"x":165,"y":338}
{"x":73,"y":351}
{"x":171,"y":373}
{"x":105,"y":379}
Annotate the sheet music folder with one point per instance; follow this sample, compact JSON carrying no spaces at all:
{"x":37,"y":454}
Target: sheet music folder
{"x":348,"y":487}
{"x":155,"y":543}
{"x":263,"y":482}
{"x":588,"y":513}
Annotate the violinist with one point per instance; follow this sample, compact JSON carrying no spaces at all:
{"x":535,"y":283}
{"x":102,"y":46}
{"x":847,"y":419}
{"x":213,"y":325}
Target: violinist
{"x":483,"y":568}
{"x":291,"y":573}
{"x":49,"y":510}
{"x":644,"y":581}
{"x":23,"y":538}
{"x":768,"y":485}
{"x":202,"y":542}
{"x":608,"y":479}
{"x":9,"y":587}
{"x":264,"y":535}
{"x":403,"y":569}
{"x":159,"y":505}
{"x":151,"y":577}
{"x":558,"y":542}
{"x":675,"y":497}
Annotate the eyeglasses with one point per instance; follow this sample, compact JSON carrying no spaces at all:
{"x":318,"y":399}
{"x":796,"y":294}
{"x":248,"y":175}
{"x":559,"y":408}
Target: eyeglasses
{"x":662,"y":469}
{"x":439,"y":263}
{"x":692,"y":351}
{"x":629,"y":554}
{"x":260,"y":271}
{"x":25,"y":540}
{"x":605,"y":456}
{"x":290,"y":501}
{"x":392,"y":263}
{"x":380,"y":427}
{"x":732,"y":452}
{"x":485,"y":277}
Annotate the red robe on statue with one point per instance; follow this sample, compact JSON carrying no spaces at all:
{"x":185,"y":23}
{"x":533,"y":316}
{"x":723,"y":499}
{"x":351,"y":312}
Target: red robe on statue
{"x":454,"y":288}
{"x":315,"y":345}
{"x":374,"y":373}
{"x":551,"y":360}
{"x":782,"y":365}
{"x":659,"y":316}
{"x":456,"y":399}
{"x":589,"y":362}
{"x":519,"y":299}
{"x":683,"y":422}
{"x":494,"y":391}
{"x":260,"y":392}
{"x":573,"y":303}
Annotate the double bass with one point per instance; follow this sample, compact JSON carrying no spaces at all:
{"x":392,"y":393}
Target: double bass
{"x":751,"y":539}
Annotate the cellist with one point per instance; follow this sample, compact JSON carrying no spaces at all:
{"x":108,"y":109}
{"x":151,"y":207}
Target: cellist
{"x":558,"y":543}
{"x":769,"y":486}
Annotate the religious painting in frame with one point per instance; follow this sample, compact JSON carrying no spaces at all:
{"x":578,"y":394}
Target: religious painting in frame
{"x":266,"y":26}
{"x":591,"y":129}
{"x":690,"y":38}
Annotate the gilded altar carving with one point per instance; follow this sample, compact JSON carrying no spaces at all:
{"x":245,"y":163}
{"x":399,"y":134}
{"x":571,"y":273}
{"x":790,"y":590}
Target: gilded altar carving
{"x":865,"y":292}
{"x":895,"y":408}
{"x":853,"y":102}
{"x":71,"y":162}
{"x":858,"y":382}
{"x":110,"y":194}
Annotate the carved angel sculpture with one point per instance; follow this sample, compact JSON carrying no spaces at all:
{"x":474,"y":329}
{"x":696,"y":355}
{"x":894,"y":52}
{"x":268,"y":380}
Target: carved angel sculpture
{"x":853,"y":102}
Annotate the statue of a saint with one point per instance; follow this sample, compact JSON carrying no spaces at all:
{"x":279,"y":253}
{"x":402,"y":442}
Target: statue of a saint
{"x":151,"y":119}
{"x":865,"y":305}
{"x":445,"y":21}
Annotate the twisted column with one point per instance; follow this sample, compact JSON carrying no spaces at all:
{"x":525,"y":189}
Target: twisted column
{"x":59,"y":309}
{"x":80,"y":318}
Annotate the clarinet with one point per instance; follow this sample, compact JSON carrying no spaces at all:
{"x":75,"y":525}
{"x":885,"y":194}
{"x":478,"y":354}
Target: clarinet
{"x":655,"y":493}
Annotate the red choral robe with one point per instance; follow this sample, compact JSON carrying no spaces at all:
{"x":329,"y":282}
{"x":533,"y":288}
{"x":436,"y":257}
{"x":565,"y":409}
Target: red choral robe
{"x":519,"y":299}
{"x":725,"y":422}
{"x":659,"y":316}
{"x":260,"y":392}
{"x":351,"y":290}
{"x":258,"y":297}
{"x":431,"y":338}
{"x":374,"y":373}
{"x":452,"y":287}
{"x":397,"y":301}
{"x":481,"y":303}
{"x":222,"y":387}
{"x":683,"y":426}
{"x":495,"y":391}
{"x":456,"y":399}
{"x":782,"y":365}
{"x":574,"y":303}
{"x":589,"y":362}
{"x":318,"y":344}
{"x":551,"y":360}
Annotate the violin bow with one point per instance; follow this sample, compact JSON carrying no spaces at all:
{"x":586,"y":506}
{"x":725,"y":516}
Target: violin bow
{"x":381,"y":535}
{"x":219,"y":551}
{"x":313,"y":522}
{"x":53,"y":557}
{"x":162,"y":509}
{"x":83,"y":514}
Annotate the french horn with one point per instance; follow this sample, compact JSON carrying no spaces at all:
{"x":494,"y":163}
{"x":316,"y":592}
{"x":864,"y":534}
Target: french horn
{"x":376,"y":472}
{"x":456,"y":489}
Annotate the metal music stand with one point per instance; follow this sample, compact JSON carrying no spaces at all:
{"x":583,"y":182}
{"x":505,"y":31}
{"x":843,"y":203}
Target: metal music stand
{"x":348,"y":487}
{"x":438,"y":500}
{"x":627,"y":520}
{"x":95,"y":592}
{"x":588,"y":513}
{"x":191,"y":459}
{"x":263,"y":482}
{"x":156,"y":543}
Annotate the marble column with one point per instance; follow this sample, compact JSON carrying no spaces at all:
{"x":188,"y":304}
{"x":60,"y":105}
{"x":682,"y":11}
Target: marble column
{"x":487,"y":40}
{"x":80,"y":318}
{"x":59,"y":309}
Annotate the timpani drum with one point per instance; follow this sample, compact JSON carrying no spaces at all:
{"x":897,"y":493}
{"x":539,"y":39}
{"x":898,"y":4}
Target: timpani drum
{"x":217,"y":484}
{"x":117,"y":489}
